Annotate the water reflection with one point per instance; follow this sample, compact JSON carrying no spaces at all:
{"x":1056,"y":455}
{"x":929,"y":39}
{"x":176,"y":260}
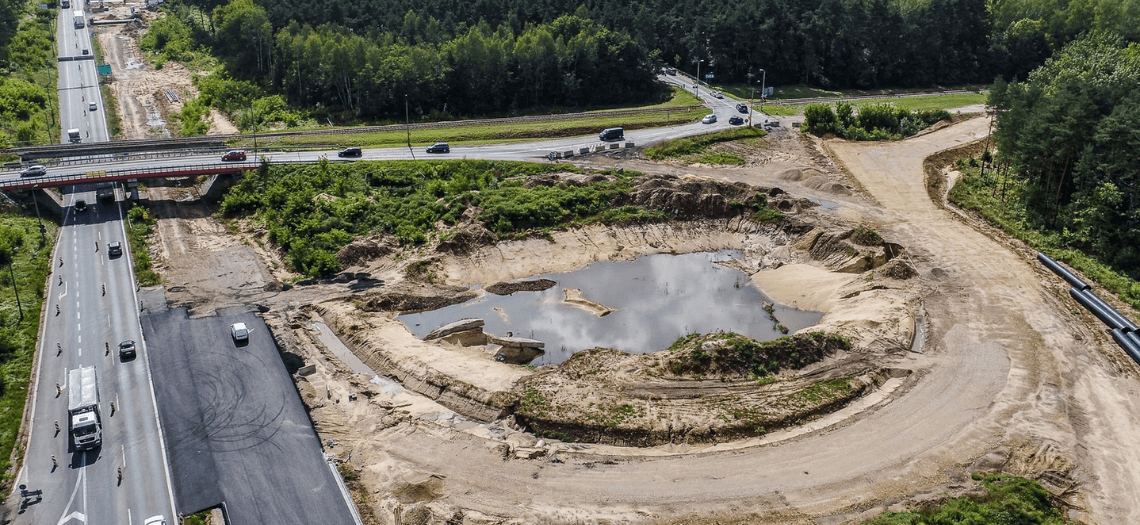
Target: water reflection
{"x":657,"y":299}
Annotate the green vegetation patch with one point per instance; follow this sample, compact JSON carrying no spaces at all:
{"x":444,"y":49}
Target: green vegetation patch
{"x":731,"y":355}
{"x":24,"y":254}
{"x":876,"y":121}
{"x":140,"y":224}
{"x":1008,"y":499}
{"x":698,"y":147}
{"x":28,"y":98}
{"x":312,"y":211}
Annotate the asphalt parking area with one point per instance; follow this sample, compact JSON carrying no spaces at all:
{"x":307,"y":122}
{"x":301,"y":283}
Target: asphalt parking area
{"x":235,"y":429}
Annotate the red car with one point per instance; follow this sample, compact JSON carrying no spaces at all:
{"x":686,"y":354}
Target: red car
{"x":234,"y":155}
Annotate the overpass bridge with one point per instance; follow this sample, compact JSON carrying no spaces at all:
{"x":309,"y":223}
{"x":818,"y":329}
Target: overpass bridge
{"x":123,"y":175}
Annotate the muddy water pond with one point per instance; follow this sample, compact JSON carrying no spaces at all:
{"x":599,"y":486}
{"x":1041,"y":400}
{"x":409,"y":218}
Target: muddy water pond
{"x":655,"y":300}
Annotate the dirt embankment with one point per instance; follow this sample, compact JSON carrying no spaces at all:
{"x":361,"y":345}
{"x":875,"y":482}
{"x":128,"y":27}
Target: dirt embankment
{"x":640,"y":400}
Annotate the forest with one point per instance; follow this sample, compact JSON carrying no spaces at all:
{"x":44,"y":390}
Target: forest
{"x":1069,"y":139}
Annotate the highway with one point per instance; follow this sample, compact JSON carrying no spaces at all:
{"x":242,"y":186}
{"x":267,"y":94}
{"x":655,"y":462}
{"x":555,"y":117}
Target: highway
{"x":78,"y":82}
{"x":90,"y":307}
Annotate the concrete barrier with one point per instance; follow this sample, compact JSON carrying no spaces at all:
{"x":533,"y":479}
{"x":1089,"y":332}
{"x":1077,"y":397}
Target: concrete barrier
{"x":583,"y":151}
{"x":567,"y":153}
{"x":615,"y":146}
{"x":629,"y":144}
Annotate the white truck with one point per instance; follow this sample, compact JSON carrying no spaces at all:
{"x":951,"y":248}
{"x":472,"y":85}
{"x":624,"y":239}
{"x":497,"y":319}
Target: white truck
{"x":79,"y":22}
{"x":73,"y":135}
{"x":86,"y":426}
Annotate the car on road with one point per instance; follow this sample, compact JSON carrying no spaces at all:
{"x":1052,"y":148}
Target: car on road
{"x":718,"y":94}
{"x":742,"y":107}
{"x":236,"y":154}
{"x":350,"y":152}
{"x":92,"y":106}
{"x":86,"y":51}
{"x":709,"y":119}
{"x":239,"y":332}
{"x":114,"y":249}
{"x":155,"y":520}
{"x":80,"y":205}
{"x":736,"y":120}
{"x":439,"y":147}
{"x":126,"y":349}
{"x":609,"y":134}
{"x":35,"y":170}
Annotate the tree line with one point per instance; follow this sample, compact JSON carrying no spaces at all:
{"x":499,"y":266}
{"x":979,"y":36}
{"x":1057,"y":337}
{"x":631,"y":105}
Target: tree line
{"x":476,"y":70}
{"x":1070,"y":135}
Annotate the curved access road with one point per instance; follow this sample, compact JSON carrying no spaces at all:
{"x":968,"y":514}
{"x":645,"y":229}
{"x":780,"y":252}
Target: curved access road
{"x":1010,"y":378}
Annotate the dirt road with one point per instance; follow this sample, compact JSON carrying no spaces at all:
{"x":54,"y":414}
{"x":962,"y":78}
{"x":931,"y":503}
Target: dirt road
{"x":1009,"y":379}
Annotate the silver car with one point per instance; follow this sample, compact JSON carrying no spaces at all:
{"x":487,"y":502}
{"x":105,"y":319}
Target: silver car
{"x":709,"y":119}
{"x":35,"y":170}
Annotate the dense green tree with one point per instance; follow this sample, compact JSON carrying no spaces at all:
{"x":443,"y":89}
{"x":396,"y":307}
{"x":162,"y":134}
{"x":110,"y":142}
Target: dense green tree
{"x":1070,"y":132}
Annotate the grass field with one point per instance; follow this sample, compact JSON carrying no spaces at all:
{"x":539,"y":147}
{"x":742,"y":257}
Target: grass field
{"x":696,"y":149}
{"x":492,"y":133}
{"x":911,"y":103}
{"x":18,"y":334}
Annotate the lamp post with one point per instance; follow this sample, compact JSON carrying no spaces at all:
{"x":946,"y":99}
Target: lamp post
{"x":43,"y":231}
{"x":763,"y":93}
{"x":408,"y":127}
{"x":698,"y":84}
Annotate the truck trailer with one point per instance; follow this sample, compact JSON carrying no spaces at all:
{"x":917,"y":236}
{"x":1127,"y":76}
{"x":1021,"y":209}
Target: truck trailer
{"x":83,"y":408}
{"x":79,"y":22}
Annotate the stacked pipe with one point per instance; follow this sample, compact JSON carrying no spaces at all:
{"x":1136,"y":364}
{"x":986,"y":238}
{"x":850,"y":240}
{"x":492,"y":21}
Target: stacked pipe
{"x":1124,"y":331}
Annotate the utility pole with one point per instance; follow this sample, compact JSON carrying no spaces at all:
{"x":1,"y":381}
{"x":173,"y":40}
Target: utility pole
{"x":408,"y":127}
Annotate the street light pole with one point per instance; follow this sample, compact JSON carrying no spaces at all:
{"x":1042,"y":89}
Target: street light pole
{"x":763,"y":92}
{"x":408,"y":126}
{"x":698,"y":84}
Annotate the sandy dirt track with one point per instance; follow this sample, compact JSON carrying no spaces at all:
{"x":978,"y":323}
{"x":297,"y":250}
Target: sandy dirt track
{"x":1010,"y":377}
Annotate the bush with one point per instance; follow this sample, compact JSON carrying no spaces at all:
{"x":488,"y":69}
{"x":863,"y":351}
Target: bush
{"x":878,"y":121}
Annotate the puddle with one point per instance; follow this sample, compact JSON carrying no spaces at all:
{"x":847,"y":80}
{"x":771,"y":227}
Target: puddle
{"x":825,"y":205}
{"x":334,"y":344}
{"x":656,"y":299}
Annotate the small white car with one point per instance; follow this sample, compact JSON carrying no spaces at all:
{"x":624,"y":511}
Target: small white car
{"x":709,"y":119}
{"x":239,"y":332}
{"x":155,"y":520}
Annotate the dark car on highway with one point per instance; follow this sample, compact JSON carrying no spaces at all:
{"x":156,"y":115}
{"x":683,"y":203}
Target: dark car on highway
{"x":80,"y":205}
{"x":234,"y":155}
{"x":735,"y":120}
{"x":742,"y":107}
{"x":350,"y":152}
{"x":114,"y":249}
{"x":35,"y":170}
{"x":439,"y":147}
{"x":126,"y":349}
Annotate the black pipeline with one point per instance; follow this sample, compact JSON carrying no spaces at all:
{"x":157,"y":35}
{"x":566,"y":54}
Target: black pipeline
{"x":1124,"y":331}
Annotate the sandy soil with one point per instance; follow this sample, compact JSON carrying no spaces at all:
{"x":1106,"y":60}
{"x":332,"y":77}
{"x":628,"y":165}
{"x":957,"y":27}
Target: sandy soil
{"x":1005,"y":374}
{"x":141,"y":90}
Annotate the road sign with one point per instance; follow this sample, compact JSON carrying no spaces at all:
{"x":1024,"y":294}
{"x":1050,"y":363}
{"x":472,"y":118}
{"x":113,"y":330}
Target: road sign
{"x":708,"y":76}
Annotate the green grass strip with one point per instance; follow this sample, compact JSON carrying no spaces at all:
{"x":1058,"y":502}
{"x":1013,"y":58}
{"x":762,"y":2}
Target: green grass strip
{"x":699,"y":145}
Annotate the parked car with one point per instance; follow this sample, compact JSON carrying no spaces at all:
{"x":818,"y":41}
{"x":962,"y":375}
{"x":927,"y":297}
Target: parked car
{"x":709,"y":119}
{"x":80,"y":205}
{"x":742,"y":107}
{"x":234,"y":155}
{"x":439,"y":147}
{"x":126,"y":349}
{"x":114,"y":249}
{"x":239,"y":332}
{"x":736,"y":120}
{"x":35,"y":170}
{"x":350,"y":152}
